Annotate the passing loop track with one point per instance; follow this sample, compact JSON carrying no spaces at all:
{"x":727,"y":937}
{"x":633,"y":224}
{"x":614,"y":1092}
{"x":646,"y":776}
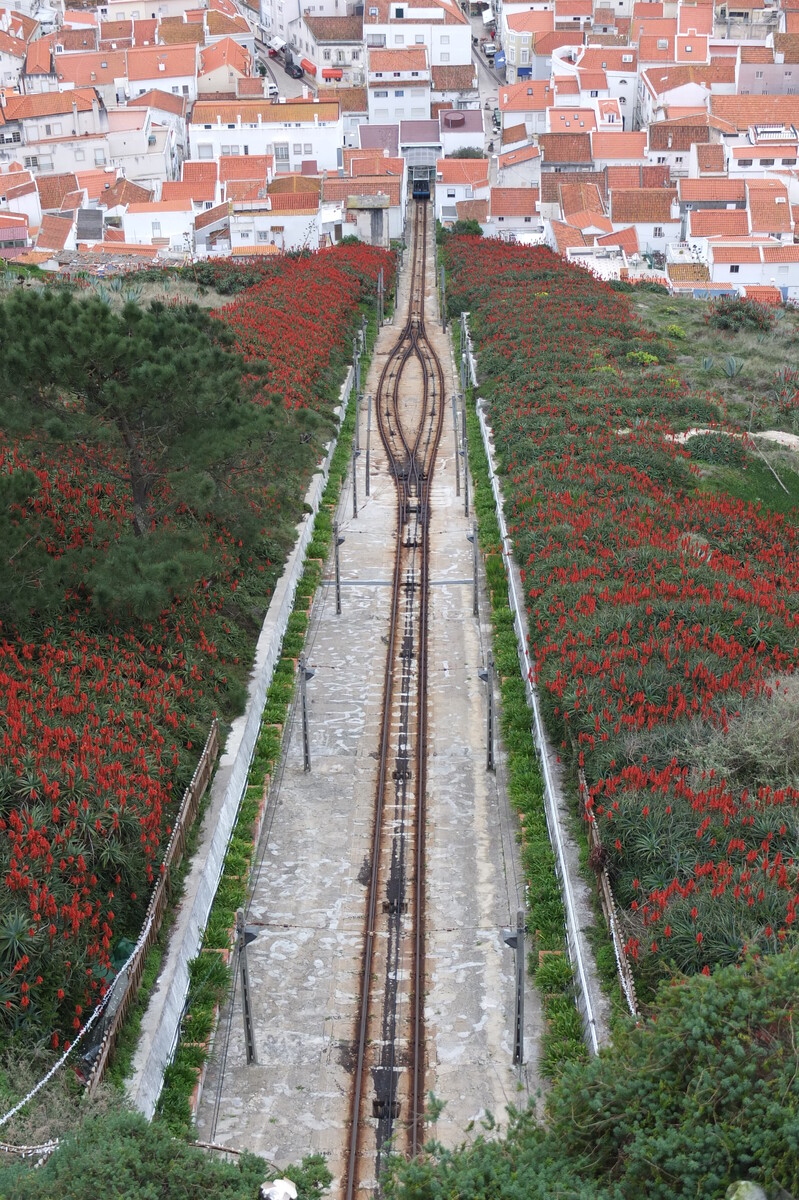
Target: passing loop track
{"x":388,"y":1091}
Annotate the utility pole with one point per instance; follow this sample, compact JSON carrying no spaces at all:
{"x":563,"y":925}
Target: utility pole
{"x":486,"y":673}
{"x":245,"y":935}
{"x":380,"y":298}
{"x":368,"y":438}
{"x":443,"y":299}
{"x":305,"y":675}
{"x":514,"y":938}
{"x":356,"y":358}
{"x":337,"y":541}
{"x":472,"y":537}
{"x":463,"y":373}
{"x":358,"y":420}
{"x":355,"y":456}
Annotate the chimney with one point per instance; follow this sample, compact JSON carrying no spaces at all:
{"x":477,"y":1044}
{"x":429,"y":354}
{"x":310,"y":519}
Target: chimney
{"x":75,"y":114}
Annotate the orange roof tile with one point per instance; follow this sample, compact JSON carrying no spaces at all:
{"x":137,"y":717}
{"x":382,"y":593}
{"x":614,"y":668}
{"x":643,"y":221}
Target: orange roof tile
{"x":744,"y":111}
{"x":531,"y":95}
{"x":626,"y":238}
{"x":413,"y":58}
{"x":163,"y":62}
{"x":565,"y":147}
{"x":38,"y":60}
{"x":609,"y":58}
{"x":513,"y":157}
{"x":735,"y":254}
{"x":719,"y":222}
{"x":618,"y":145}
{"x":566,"y":237}
{"x":780,"y":254}
{"x":48,"y":104}
{"x":710,"y":158}
{"x":769,"y":209}
{"x":93,"y":69}
{"x":243,"y":166}
{"x":580,"y":197}
{"x":514,"y":201}
{"x":472,"y":171}
{"x":53,"y":189}
{"x":225,"y":53}
{"x":720,"y":191}
{"x":53,"y":233}
{"x":532,"y":22}
{"x":294,"y":110}
{"x":155,"y":98}
{"x":642,"y":204}
{"x":573,"y":120}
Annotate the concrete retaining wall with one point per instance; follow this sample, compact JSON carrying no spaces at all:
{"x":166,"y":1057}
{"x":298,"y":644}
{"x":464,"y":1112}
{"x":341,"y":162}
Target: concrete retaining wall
{"x":161,"y":1022}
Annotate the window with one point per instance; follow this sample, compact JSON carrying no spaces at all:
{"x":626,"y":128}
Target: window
{"x":500,"y":218}
{"x":185,"y":89}
{"x":381,"y":95}
{"x":245,"y":235}
{"x":450,"y":193}
{"x":687,"y":49}
{"x":397,"y":74}
{"x":263,"y":235}
{"x":622,"y":100}
{"x":205,"y":150}
{"x":758,"y":74}
{"x":414,"y":74}
{"x":527,"y":220}
{"x":419,"y":39}
{"x":734,"y":269}
{"x":281,"y":152}
{"x":622,"y":83}
{"x":594,"y":93}
{"x":156,"y":229}
{"x":661,"y":159}
{"x":445,"y":40}
{"x":657,"y":231}
{"x":626,"y":58}
{"x":767,"y":162}
{"x":399,"y":39}
{"x":32,"y":161}
{"x":744,"y":162}
{"x":209,"y":204}
{"x":525,"y":59}
{"x":678,"y":158}
{"x":225,"y":149}
{"x":445,"y":58}
{"x":789,"y":162}
{"x":174,"y":91}
{"x":782,"y":270}
{"x":307,"y":148}
{"x":663,"y":43}
{"x":79,"y":156}
{"x":298,"y":148}
{"x":356,"y":56}
{"x":326,"y":55}
{"x":399,"y":92}
{"x":399,"y":13}
{"x":99,"y":158}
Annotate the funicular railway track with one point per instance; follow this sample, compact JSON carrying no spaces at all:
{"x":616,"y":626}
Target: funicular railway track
{"x":388,"y":1091}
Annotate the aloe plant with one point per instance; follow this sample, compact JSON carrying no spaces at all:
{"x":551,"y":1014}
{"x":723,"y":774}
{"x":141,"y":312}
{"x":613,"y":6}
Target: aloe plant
{"x":732,"y":366}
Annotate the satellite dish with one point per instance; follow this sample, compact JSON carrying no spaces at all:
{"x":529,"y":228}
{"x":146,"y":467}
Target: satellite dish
{"x":281,"y":1189}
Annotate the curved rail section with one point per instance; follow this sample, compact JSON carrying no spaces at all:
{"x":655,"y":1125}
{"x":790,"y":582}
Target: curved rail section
{"x":388,"y":1092}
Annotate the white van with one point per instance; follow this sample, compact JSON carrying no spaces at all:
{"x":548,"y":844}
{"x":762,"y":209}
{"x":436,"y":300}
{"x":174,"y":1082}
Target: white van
{"x":272,"y":90}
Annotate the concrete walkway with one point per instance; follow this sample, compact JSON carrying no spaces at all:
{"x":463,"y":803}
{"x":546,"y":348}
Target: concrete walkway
{"x":309,"y":895}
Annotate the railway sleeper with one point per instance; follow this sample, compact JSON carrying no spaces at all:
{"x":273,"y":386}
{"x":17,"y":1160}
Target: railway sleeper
{"x":380,"y":1108}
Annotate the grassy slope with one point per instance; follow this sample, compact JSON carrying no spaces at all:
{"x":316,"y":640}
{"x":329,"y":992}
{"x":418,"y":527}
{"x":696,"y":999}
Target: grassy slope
{"x":763,"y":356}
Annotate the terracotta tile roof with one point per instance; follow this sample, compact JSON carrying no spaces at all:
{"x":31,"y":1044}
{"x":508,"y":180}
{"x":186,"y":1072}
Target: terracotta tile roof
{"x":377,"y":165}
{"x":571,"y":120}
{"x":174,"y":31}
{"x":204,"y":172}
{"x":53,"y":189}
{"x":514,"y":201}
{"x":744,"y":111}
{"x":552,"y":183}
{"x":38,"y":60}
{"x":573,"y":8}
{"x":546,"y":43}
{"x":20,"y":25}
{"x":304,"y":111}
{"x":719,"y":191}
{"x":210,"y":215}
{"x":593,"y":81}
{"x":565,"y":237}
{"x":53,"y":233}
{"x":71,"y":201}
{"x":637,"y":176}
{"x":161,"y":206}
{"x":112,"y":234}
{"x":267,"y":250}
{"x":662,"y":80}
{"x":710,"y":158}
{"x":590,"y":221}
{"x":695,"y":18}
{"x":112,"y":30}
{"x":626,"y":238}
{"x":336,"y":189}
{"x":245,"y":189}
{"x":735,"y":254}
{"x":531,"y":22}
{"x":606,"y":58}
{"x":168,"y":62}
{"x":567,"y":85}
{"x":48,"y":104}
{"x":176,"y":192}
{"x":531,"y":95}
{"x":642,"y":204}
{"x":155,"y":98}
{"x":687,"y":272}
{"x":618,"y":145}
{"x":225,"y":53}
{"x":295,"y":185}
{"x":472,"y":171}
{"x":514,"y":157}
{"x":124,"y":192}
{"x":780,"y":254}
{"x":719,"y":222}
{"x":763,"y":293}
{"x":454,"y":79}
{"x":93,"y":69}
{"x":144,"y":31}
{"x":351,"y":99}
{"x":787,"y":44}
{"x":512,"y":134}
{"x":218,"y":24}
{"x":565,"y":147}
{"x":757,"y":54}
{"x":769,"y":209}
{"x":75,"y":39}
{"x":676,"y":135}
{"x":580,"y":197}
{"x":472,"y":210}
{"x":413,"y":58}
{"x":335,"y":29}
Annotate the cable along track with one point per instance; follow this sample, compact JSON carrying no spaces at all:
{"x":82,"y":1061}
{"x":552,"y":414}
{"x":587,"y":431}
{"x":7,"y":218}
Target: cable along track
{"x":388,"y":1092}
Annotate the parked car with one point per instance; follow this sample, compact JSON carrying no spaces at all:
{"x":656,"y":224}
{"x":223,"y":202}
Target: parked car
{"x":294,"y":70}
{"x":489,"y":50}
{"x":272,"y":89}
